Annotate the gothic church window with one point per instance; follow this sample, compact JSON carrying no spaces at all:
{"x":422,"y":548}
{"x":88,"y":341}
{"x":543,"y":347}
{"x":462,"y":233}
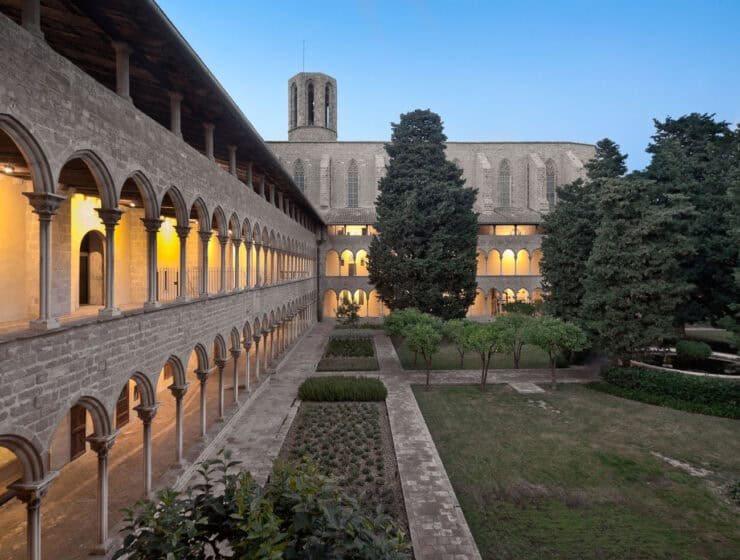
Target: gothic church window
{"x":504,"y":184}
{"x":309,"y":97}
{"x":299,"y":175}
{"x":353,"y":185}
{"x":550,"y":182}
{"x":293,"y":106}
{"x":327,"y":106}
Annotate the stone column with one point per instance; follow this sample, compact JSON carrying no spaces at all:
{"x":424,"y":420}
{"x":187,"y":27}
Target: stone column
{"x":248,"y":251}
{"x":146,"y":415}
{"x":151,"y":225}
{"x":101,"y":445}
{"x":178,"y":391}
{"x":247,"y":367}
{"x":31,"y":17}
{"x":257,"y":266}
{"x":123,"y":52}
{"x":110,"y":218}
{"x":235,"y":353}
{"x":236,"y":241}
{"x":45,"y":205}
{"x":232,"y":159}
{"x":257,"y":367}
{"x":223,"y":240}
{"x":271,"y":358}
{"x":176,"y":113}
{"x":203,"y":375}
{"x":208,"y":129}
{"x":205,"y":237}
{"x":31,"y":494}
{"x":220,"y":364}
{"x":182,"y":234}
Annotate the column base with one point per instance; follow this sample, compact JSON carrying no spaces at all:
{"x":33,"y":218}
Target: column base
{"x":109,"y":313}
{"x":101,"y":549}
{"x":45,"y":324}
{"x":182,"y":299}
{"x":152,"y":305}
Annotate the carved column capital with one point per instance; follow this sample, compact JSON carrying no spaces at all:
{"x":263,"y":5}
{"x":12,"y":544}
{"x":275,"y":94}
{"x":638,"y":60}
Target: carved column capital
{"x":44,"y":204}
{"x":223,"y":240}
{"x":202,"y":375}
{"x":205,"y":236}
{"x":182,"y":231}
{"x":236,"y":241}
{"x":109,"y":216}
{"x":220,"y":362}
{"x":256,"y":338}
{"x":31,"y":493}
{"x":102,"y":444}
{"x":246,"y":343}
{"x":152,"y":225}
{"x":179,"y":391}
{"x":147,"y":413}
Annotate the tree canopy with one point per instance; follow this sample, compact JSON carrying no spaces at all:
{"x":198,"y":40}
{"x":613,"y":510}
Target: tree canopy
{"x":424,"y":255}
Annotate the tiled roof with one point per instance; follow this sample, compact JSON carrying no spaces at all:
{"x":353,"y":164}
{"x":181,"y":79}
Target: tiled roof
{"x":350,"y":216}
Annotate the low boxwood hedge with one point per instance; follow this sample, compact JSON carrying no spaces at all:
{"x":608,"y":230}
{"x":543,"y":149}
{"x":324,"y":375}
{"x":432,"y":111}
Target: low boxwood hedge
{"x":342,"y":388}
{"x":350,"y":347}
{"x":705,"y":395}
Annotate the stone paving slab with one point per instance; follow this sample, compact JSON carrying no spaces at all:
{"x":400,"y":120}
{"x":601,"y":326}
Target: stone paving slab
{"x":526,"y":387}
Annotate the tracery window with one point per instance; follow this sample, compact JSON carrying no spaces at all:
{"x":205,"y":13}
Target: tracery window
{"x":293,"y":106}
{"x":327,"y":106}
{"x":299,"y":175}
{"x":309,"y":98}
{"x":353,"y":185}
{"x":504,"y":183}
{"x":550,"y":182}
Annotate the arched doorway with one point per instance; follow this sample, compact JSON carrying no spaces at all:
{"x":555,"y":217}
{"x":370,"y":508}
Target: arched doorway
{"x":92,"y":269}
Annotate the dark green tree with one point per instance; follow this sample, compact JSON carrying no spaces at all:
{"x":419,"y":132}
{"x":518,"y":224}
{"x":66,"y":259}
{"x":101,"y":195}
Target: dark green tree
{"x":424,"y":255}
{"x":698,"y":157}
{"x":633,"y":281}
{"x":570,"y":230}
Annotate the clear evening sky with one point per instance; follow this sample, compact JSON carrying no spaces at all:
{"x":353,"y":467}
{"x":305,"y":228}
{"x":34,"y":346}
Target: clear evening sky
{"x":514,"y":70}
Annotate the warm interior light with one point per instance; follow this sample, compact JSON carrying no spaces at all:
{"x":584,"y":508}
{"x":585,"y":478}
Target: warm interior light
{"x":8,"y":169}
{"x":132,"y":204}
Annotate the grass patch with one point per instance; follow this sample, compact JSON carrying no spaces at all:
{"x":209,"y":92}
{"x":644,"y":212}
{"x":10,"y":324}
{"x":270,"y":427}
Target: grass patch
{"x":705,"y":395}
{"x":342,"y":388}
{"x":448,"y":358}
{"x":571,"y":474}
{"x":349,"y":353}
{"x":350,"y":442}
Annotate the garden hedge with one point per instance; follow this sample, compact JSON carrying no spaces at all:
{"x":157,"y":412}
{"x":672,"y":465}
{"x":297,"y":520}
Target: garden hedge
{"x":705,"y":395}
{"x":342,"y":388}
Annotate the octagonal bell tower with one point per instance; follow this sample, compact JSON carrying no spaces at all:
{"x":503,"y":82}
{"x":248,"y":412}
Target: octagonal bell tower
{"x":312,"y":108}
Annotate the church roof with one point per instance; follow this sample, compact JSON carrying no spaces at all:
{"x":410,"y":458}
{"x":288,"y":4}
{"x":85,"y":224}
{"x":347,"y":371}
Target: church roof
{"x":358,"y":216}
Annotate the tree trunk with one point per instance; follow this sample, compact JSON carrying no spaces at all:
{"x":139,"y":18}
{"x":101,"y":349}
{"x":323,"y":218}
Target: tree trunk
{"x":517,"y":356}
{"x":553,"y":380}
{"x":462,"y":359}
{"x":416,"y":356}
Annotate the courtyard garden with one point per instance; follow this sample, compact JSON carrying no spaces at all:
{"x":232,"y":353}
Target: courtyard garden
{"x":576,"y":473}
{"x":349,"y":352}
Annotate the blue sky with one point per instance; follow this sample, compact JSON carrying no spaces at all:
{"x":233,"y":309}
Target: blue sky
{"x":514,"y":70}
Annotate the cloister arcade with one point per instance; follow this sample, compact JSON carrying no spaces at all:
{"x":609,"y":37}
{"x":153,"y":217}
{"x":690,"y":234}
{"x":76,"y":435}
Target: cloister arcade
{"x":508,"y":262}
{"x":371,"y":306}
{"x":490,"y":304}
{"x":156,"y":419}
{"x":117,"y":248}
{"x":346,"y":263}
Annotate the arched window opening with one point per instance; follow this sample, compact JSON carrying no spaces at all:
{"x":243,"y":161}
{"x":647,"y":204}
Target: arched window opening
{"x":550,"y":182}
{"x":327,"y":106}
{"x":299,"y":175}
{"x":309,"y":98}
{"x":353,"y":185}
{"x":330,"y":303}
{"x":92,"y":269}
{"x":504,"y":183}
{"x":508,"y":263}
{"x":293,"y":106}
{"x":480,"y":260}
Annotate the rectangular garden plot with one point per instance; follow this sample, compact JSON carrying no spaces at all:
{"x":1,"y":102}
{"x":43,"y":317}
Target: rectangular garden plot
{"x":351,"y":443}
{"x":349,"y":353}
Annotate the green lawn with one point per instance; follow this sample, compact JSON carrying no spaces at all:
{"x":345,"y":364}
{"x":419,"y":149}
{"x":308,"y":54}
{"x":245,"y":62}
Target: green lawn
{"x":448,"y":358}
{"x":570,"y":474}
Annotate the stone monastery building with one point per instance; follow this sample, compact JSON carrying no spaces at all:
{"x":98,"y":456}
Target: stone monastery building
{"x":158,"y":257}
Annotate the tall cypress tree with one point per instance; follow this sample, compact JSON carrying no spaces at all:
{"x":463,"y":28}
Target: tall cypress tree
{"x":570,"y":230}
{"x":424,"y":255}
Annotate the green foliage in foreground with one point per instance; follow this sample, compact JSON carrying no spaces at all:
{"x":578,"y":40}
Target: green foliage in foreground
{"x":692,"y":350}
{"x":705,"y":395}
{"x":342,"y":388}
{"x":555,"y":336}
{"x":297,"y":514}
{"x":570,"y":474}
{"x":350,"y":347}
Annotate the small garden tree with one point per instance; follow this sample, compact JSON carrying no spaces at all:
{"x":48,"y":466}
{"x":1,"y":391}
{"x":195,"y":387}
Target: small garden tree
{"x":553,"y":336}
{"x":424,"y":337}
{"x":348,"y":315}
{"x":514,"y":330}
{"x":485,"y":340}
{"x":454,"y":331}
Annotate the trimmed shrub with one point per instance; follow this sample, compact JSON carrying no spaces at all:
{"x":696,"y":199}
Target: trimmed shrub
{"x":342,"y":388}
{"x":726,"y":346}
{"x":705,"y":395}
{"x":692,"y":350}
{"x":350,"y":347}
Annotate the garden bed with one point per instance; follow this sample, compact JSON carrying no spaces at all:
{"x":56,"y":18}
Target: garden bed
{"x":350,"y":442}
{"x":349,"y":353}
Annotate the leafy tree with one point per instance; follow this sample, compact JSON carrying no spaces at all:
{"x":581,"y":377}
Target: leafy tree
{"x":523,"y":308}
{"x":570,"y":230}
{"x":485,"y":340}
{"x":348,"y":315}
{"x":633,"y":281}
{"x":400,"y":321}
{"x":554,"y":336}
{"x":454,"y":331}
{"x":699,"y":157}
{"x":424,"y":255}
{"x":423,"y":338}
{"x":514,"y":330}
